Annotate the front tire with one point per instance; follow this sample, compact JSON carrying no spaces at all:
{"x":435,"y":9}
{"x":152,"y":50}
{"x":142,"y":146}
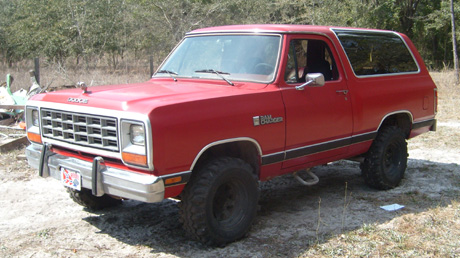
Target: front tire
{"x":386,"y":160}
{"x":86,"y":199}
{"x":220,"y":202}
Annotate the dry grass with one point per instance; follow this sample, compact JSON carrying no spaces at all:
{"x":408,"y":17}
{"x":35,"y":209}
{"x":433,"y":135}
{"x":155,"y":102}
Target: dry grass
{"x":433,"y":233}
{"x":448,"y":115}
{"x":52,"y":75}
{"x":448,"y":94}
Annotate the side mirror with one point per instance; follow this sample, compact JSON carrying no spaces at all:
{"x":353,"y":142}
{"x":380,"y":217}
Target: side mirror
{"x":313,"y":79}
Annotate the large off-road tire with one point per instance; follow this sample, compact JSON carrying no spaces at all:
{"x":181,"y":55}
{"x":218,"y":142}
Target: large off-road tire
{"x":386,"y":160}
{"x":220,"y":202}
{"x":86,"y":199}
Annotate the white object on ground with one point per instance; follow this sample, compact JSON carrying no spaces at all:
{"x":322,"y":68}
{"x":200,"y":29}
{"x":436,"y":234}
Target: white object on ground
{"x":392,"y":207}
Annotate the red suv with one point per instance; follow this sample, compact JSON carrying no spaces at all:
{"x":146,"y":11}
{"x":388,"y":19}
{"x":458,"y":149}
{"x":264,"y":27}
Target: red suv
{"x":232,"y":106}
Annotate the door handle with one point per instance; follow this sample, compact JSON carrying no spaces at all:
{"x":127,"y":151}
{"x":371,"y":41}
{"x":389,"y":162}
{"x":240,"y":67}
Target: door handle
{"x":344,"y":92}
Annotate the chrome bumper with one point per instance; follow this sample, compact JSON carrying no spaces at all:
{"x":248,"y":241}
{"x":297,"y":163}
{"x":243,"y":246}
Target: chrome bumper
{"x":96,"y":176}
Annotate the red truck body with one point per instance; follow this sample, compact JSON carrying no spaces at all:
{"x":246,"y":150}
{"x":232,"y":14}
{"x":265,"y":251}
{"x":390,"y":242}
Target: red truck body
{"x":266,"y":121}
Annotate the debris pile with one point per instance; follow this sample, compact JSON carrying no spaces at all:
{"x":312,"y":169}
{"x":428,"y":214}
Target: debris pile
{"x":12,"y":126}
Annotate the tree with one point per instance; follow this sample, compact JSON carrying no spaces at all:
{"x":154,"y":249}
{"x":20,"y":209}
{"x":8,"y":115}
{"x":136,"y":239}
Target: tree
{"x":39,"y":27}
{"x":110,"y":30}
{"x":7,"y":10}
{"x":454,"y":40}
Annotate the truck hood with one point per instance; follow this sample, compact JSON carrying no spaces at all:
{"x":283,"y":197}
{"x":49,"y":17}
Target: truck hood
{"x":143,"y":97}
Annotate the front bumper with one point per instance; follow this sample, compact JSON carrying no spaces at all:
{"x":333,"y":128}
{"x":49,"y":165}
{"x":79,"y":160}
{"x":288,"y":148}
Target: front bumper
{"x":96,"y":176}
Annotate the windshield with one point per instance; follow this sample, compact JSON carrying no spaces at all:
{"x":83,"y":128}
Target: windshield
{"x":235,"y":57}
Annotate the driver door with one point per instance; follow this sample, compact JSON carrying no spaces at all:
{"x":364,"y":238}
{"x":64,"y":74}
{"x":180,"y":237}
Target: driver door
{"x":318,"y":118}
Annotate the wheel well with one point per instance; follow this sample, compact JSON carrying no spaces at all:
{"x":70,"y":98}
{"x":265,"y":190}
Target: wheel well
{"x":401,"y":120}
{"x":244,"y":150}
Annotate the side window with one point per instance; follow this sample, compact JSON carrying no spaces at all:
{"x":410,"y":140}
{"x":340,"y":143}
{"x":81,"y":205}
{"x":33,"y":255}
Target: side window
{"x":373,"y":53}
{"x":309,"y":56}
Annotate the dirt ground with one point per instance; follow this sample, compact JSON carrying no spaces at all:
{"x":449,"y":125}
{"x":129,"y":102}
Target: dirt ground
{"x":38,"y":219}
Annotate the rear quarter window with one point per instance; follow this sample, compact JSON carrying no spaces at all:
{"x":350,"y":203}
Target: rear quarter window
{"x":376,"y":53}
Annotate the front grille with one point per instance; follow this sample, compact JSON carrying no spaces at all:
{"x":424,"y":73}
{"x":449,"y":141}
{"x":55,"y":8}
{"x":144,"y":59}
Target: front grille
{"x":87,"y":130}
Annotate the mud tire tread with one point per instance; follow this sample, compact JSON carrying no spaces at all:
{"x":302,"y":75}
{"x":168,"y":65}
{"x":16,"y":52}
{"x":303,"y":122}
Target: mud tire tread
{"x":197,"y":198}
{"x":373,"y":168}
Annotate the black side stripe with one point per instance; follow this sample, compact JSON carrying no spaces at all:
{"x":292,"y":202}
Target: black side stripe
{"x":308,"y":150}
{"x":363,"y":137}
{"x":426,"y":123}
{"x":273,"y":158}
{"x":317,"y":148}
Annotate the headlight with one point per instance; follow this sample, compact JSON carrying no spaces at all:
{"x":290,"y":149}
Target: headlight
{"x":134,"y":140}
{"x":35,"y":117}
{"x":137,"y":135}
{"x":33,"y":124}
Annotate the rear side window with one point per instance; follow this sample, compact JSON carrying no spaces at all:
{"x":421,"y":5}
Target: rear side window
{"x":376,"y":53}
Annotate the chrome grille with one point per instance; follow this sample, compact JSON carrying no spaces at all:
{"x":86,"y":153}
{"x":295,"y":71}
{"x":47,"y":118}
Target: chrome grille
{"x":88,"y":130}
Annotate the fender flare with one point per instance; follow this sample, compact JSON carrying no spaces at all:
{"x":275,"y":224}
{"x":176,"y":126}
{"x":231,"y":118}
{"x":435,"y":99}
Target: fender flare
{"x":220,"y":142}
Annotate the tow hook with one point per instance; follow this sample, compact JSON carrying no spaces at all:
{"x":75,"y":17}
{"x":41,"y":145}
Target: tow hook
{"x":313,"y":181}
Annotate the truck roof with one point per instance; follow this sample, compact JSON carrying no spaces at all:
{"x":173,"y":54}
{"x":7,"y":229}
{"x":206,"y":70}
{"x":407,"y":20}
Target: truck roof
{"x":274,"y":28}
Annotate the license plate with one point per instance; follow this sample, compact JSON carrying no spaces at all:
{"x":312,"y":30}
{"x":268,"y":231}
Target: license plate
{"x":71,"y":178}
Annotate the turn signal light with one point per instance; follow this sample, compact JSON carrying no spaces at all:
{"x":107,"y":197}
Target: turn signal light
{"x":33,"y":137}
{"x":173,"y":180}
{"x":134,"y":159}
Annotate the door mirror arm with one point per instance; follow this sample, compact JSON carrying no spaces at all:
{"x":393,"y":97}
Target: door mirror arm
{"x":313,"y":79}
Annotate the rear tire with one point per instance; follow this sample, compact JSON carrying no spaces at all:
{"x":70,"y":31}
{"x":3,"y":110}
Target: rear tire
{"x":86,"y":199}
{"x":386,"y":160}
{"x":220,"y":202}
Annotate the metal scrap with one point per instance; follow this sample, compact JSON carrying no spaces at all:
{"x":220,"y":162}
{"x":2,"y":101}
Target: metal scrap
{"x":11,"y":112}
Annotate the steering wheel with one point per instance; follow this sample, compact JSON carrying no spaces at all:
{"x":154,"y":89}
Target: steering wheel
{"x":263,"y":68}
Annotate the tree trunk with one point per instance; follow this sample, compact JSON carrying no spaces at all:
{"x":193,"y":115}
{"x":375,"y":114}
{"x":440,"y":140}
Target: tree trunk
{"x":454,"y":40}
{"x":407,"y":14}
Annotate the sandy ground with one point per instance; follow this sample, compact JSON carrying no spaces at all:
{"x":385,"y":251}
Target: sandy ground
{"x":37,"y":219}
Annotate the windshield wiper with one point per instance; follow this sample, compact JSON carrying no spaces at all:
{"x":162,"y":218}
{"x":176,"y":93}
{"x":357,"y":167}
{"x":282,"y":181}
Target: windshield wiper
{"x":171,"y":73}
{"x":219,"y":73}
